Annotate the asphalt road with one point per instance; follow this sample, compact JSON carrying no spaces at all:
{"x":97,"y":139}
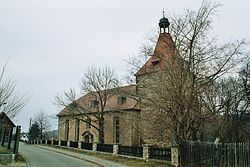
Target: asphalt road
{"x":38,"y":157}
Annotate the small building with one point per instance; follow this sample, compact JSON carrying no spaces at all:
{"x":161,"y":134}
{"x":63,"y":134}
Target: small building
{"x":24,"y":137}
{"x":6,"y":130}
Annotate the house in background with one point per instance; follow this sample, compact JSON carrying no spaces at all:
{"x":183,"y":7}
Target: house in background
{"x":24,"y":137}
{"x":126,"y":121}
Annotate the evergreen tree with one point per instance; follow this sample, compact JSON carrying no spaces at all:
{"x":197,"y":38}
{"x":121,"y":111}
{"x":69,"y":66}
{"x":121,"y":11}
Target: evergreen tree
{"x":34,"y":131}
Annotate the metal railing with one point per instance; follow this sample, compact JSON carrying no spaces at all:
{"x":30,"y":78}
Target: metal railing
{"x":87,"y":146}
{"x":160,"y":153}
{"x":73,"y":144}
{"x":55,"y":142}
{"x":105,"y":148}
{"x":63,"y":143}
{"x":131,"y":151}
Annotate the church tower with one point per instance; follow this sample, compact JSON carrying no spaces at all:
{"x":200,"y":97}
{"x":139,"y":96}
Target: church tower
{"x":153,"y":122}
{"x":164,"y":49}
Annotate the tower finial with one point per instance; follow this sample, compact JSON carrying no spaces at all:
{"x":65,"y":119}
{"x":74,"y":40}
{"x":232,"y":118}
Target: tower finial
{"x":164,"y":23}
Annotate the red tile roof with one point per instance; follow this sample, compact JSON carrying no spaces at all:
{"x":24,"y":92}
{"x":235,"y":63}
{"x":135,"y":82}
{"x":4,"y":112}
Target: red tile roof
{"x":128,"y":91}
{"x":164,"y":49}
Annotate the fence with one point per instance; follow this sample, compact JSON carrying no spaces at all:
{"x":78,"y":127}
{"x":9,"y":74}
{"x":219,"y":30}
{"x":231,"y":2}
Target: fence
{"x":105,"y":148}
{"x":131,"y":151}
{"x":201,"y":154}
{"x":160,"y":153}
{"x":63,"y":143}
{"x":9,"y":138}
{"x":144,"y":153}
{"x":49,"y":142}
{"x":192,"y":154}
{"x":73,"y":144}
{"x":55,"y":142}
{"x":87,"y":146}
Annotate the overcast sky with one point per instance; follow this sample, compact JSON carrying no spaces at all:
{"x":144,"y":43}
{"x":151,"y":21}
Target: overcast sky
{"x":52,"y":42}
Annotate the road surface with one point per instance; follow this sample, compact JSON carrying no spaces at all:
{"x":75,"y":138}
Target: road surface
{"x":38,"y":157}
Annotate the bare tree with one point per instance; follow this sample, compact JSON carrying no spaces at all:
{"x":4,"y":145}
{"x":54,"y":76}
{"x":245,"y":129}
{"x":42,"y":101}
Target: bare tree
{"x":244,"y":75}
{"x":230,"y":98}
{"x":196,"y":62}
{"x":99,"y":85}
{"x":11,"y":102}
{"x":42,"y":119}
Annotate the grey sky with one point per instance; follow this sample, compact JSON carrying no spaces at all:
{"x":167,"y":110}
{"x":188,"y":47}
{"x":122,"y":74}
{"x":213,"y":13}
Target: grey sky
{"x":52,"y":42}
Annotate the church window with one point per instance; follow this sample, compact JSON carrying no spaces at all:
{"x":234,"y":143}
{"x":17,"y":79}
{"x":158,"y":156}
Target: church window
{"x":116,"y":129}
{"x":121,"y":100}
{"x":77,"y":129}
{"x":157,"y":62}
{"x":93,"y":103}
{"x":67,"y":129}
{"x":88,"y":123}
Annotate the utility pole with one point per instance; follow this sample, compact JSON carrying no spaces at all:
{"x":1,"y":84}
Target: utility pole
{"x":30,"y":123}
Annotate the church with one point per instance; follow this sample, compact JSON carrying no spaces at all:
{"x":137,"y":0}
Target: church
{"x":126,"y":120}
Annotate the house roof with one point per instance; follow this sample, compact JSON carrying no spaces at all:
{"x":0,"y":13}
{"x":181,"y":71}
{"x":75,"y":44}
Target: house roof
{"x":164,"y":49}
{"x":130,"y":103}
{"x":5,"y":120}
{"x":24,"y":134}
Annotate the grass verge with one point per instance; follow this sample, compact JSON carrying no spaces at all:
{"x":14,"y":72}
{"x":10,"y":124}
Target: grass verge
{"x":20,"y":158}
{"x":4,"y":150}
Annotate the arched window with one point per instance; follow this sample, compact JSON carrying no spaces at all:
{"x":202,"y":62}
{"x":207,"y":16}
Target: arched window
{"x":77,"y":130}
{"x":67,"y":129}
{"x":116,"y":129}
{"x":88,"y":123}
